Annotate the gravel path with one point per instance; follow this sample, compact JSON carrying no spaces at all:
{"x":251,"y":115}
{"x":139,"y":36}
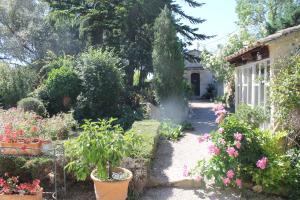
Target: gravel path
{"x":172,"y":156}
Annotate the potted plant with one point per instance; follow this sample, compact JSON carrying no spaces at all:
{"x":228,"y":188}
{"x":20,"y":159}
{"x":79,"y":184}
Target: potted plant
{"x":102,"y":146}
{"x":12,"y":189}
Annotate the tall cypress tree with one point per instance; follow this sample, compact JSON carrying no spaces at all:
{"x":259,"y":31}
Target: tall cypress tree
{"x":168,"y":60}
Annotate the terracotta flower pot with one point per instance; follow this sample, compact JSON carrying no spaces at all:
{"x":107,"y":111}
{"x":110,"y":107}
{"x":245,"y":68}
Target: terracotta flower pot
{"x":112,"y":190}
{"x":21,"y":148}
{"x":37,"y":196}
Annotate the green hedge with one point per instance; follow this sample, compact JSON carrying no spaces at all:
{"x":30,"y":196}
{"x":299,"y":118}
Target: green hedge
{"x":149,"y":132}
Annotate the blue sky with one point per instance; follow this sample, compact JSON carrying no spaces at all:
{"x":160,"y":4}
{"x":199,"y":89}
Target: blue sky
{"x":221,"y":18}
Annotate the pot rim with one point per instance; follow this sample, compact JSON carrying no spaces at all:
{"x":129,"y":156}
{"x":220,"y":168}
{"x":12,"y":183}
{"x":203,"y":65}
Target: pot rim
{"x":113,"y":181}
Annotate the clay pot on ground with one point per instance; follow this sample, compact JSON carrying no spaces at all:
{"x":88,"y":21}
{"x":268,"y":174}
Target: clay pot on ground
{"x":37,"y":196}
{"x":112,"y":190}
{"x":21,"y":147}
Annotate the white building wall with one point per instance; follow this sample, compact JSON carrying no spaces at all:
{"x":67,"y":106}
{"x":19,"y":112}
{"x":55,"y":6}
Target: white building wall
{"x":206,"y":78}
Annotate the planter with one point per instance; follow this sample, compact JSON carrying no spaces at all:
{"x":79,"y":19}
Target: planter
{"x":112,"y":190}
{"x":37,"y":196}
{"x":21,"y":148}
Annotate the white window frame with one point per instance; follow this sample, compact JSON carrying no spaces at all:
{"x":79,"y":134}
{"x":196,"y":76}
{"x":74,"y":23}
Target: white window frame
{"x":245,"y":76}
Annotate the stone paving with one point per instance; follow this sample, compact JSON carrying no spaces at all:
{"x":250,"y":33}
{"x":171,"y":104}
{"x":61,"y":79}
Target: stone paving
{"x":167,"y":181}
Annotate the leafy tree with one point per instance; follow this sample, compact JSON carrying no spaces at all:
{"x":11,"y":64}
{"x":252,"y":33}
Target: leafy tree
{"x":27,"y":33}
{"x":217,"y":64}
{"x":15,"y":84}
{"x":262,"y":17}
{"x":23,"y":31}
{"x":101,"y":84}
{"x":167,"y":59}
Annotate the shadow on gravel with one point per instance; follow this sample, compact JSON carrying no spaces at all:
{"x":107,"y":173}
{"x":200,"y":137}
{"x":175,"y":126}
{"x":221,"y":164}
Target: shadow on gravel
{"x":163,"y":160}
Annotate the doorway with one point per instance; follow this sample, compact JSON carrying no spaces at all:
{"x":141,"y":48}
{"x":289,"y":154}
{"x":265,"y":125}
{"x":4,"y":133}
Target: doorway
{"x":195,"y":82}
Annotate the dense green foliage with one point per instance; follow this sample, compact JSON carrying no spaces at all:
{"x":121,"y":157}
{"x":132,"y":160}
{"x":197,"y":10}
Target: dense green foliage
{"x":286,"y":94}
{"x":15,"y":84}
{"x":60,"y":90}
{"x":102,"y":85}
{"x":167,"y":59}
{"x":101,"y":145}
{"x":32,"y":104}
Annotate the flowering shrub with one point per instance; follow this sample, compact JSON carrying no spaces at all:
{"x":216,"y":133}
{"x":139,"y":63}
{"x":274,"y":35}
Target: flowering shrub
{"x":240,"y":154}
{"x":15,"y":124}
{"x":11,"y":185}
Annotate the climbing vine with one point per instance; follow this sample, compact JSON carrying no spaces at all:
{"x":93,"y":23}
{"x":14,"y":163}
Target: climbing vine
{"x":286,"y":93}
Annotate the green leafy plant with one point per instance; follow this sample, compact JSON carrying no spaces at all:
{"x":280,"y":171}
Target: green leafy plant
{"x":102,"y":145}
{"x":34,"y":105}
{"x":253,"y":116}
{"x":171,"y":131}
{"x":286,"y":95}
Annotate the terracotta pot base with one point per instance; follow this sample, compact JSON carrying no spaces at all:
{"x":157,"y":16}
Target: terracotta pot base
{"x":112,"y":190}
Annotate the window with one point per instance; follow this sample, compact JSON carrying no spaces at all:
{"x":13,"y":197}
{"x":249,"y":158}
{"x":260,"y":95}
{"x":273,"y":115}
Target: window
{"x":252,"y":83}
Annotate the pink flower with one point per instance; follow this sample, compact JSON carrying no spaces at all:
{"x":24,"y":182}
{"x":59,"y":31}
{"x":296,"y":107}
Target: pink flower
{"x":232,"y":152}
{"x":222,"y":141}
{"x":238,"y":183}
{"x":218,"y":107}
{"x":204,"y":138}
{"x":262,"y":163}
{"x":213,"y":149}
{"x":185,"y":171}
{"x":221,"y":130}
{"x":198,"y":178}
{"x":230,"y":174}
{"x":238,"y":136}
{"x":226,"y":181}
{"x":238,"y":144}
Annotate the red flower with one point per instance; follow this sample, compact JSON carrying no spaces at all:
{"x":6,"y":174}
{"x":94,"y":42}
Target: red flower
{"x":23,"y":148}
{"x":34,"y":129}
{"x":2,"y":182}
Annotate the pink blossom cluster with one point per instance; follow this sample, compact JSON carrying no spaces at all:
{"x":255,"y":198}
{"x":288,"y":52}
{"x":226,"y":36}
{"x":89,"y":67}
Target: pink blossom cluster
{"x":186,"y":172}
{"x":229,"y":176}
{"x":220,"y":112}
{"x":238,"y":138}
{"x":213,"y":149}
{"x":204,"y":138}
{"x":232,"y":152}
{"x":262,"y":163}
